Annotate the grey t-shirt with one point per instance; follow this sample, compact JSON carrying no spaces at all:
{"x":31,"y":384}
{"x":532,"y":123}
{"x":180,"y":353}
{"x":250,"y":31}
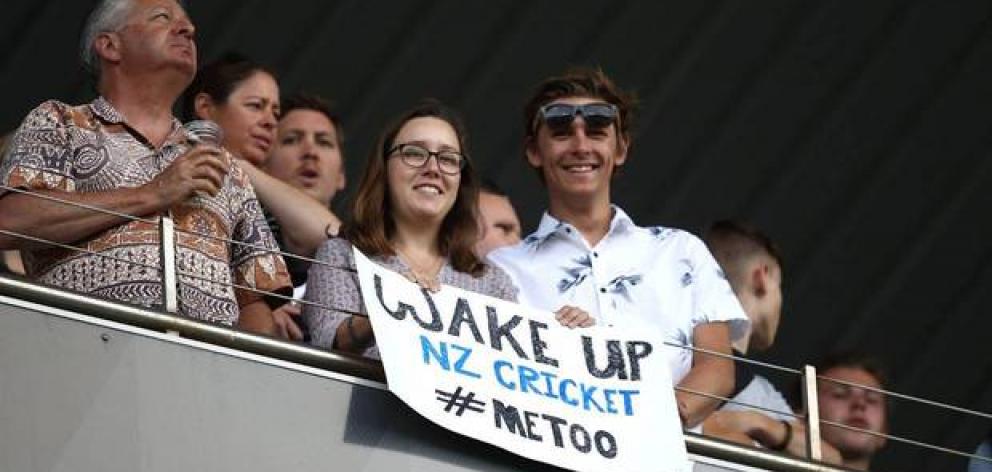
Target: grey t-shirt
{"x":760,"y":392}
{"x":335,"y":285}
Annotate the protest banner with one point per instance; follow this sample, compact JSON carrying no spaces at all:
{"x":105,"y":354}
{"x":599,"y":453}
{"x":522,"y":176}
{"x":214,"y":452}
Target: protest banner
{"x":589,"y":399}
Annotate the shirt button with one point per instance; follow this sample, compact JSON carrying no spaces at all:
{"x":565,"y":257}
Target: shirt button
{"x":603,"y":289}
{"x":595,"y":254}
{"x":568,"y":230}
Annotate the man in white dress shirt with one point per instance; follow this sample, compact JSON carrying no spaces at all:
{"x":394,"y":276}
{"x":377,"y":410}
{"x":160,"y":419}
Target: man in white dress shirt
{"x":588,"y":253}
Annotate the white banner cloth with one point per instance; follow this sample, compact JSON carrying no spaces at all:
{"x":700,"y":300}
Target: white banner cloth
{"x":588,"y":399}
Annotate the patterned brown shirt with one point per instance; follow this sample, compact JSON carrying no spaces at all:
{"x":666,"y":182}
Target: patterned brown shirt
{"x":90,"y":148}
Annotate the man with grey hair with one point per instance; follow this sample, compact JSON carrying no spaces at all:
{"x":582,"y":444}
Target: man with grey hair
{"x":125,"y":152}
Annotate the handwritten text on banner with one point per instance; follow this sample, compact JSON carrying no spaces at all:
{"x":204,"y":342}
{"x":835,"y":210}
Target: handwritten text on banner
{"x":592,"y":399}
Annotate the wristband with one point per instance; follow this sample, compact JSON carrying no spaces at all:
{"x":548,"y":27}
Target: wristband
{"x":785,"y":440}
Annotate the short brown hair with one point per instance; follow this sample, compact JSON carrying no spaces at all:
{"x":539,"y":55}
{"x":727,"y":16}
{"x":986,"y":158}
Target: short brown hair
{"x":733,"y":243}
{"x":306,"y":101}
{"x":851,"y":359}
{"x":372,"y":225}
{"x":580,"y":82}
{"x":855,"y":360}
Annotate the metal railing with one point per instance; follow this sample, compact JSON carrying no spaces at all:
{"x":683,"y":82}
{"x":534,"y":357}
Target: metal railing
{"x":813,"y":423}
{"x":166,"y":321}
{"x":16,"y":287}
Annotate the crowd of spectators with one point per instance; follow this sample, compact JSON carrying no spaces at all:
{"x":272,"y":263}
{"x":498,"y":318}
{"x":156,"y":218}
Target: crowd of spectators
{"x":419,"y":209}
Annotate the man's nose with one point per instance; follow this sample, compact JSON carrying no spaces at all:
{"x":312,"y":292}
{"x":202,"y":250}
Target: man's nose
{"x":580,"y":140}
{"x":859,"y":400}
{"x":185,"y":27}
{"x":309,"y":150}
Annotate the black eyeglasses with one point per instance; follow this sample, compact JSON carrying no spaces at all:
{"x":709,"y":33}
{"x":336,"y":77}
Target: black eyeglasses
{"x":416,"y":156}
{"x":559,"y":116}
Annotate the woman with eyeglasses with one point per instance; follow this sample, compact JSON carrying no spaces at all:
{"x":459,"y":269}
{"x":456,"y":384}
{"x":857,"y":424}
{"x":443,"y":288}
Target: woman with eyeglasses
{"x":415,"y":212}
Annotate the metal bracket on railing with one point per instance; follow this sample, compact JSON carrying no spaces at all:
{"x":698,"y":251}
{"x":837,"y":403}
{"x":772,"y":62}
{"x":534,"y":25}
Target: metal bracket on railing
{"x":167,"y":231}
{"x":814,"y":449}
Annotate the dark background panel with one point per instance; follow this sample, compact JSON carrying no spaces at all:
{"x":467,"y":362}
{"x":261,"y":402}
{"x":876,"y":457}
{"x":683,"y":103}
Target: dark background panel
{"x":856,"y":133}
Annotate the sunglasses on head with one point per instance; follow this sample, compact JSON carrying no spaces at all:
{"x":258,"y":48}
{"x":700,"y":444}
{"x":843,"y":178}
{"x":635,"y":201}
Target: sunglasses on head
{"x":559,"y":116}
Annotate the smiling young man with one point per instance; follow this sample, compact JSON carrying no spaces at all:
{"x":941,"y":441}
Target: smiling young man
{"x":587,"y":252}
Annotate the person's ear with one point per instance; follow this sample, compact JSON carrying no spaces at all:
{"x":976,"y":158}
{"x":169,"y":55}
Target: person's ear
{"x":108,"y":46}
{"x":759,"y":280}
{"x":623,"y":145}
{"x":530,"y":149}
{"x":203,"y":106}
{"x":342,"y":180}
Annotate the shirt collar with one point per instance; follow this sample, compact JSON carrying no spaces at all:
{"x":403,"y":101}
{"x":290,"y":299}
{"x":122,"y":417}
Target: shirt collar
{"x":550,"y":225}
{"x":621,"y":221}
{"x":105,"y":111}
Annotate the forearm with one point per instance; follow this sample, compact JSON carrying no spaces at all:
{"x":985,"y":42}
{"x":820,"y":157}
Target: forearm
{"x":714,"y":376}
{"x":710,"y":374}
{"x":12,"y":259}
{"x":304,"y":221}
{"x":735,"y":426}
{"x":354,"y":335}
{"x":749,"y":427}
{"x":257,"y":318}
{"x":768,"y":431}
{"x":66,"y":223}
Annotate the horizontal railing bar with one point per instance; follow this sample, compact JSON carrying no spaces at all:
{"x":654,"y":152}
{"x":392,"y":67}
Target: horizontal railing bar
{"x":354,"y":313}
{"x":77,"y":204}
{"x":904,"y":396}
{"x":70,"y":247}
{"x":184,"y":274}
{"x":256,"y":247}
{"x":191,"y":328}
{"x":735,"y":402}
{"x":753,"y":457}
{"x":912,"y":442}
{"x":736,"y":358}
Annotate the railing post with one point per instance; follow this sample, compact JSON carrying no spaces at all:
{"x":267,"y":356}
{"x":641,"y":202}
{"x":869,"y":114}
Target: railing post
{"x":167,"y":232}
{"x":814,"y":449}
